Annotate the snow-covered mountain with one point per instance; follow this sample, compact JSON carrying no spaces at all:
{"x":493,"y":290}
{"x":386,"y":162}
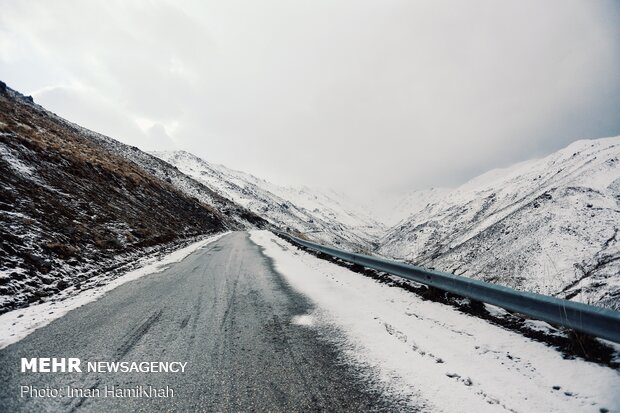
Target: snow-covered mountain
{"x":325,"y":216}
{"x":548,"y":225}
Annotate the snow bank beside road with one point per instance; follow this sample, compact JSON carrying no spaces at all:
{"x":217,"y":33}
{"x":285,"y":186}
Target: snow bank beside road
{"x":17,"y":324}
{"x":453,"y":361}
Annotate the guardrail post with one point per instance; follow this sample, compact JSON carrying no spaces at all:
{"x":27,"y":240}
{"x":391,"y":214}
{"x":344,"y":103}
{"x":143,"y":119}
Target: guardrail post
{"x":434,"y":294}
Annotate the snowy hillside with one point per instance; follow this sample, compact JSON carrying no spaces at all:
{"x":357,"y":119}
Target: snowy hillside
{"x":76,"y":206}
{"x":548,"y":225}
{"x":322,"y":216}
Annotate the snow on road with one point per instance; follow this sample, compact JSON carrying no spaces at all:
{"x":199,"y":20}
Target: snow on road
{"x":454,"y":361}
{"x":17,"y":324}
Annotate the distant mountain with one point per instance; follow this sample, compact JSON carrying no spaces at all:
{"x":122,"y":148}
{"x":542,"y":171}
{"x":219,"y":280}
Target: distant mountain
{"x":399,"y":207}
{"x":75,"y":204}
{"x":548,"y":225}
{"x":321,"y":215}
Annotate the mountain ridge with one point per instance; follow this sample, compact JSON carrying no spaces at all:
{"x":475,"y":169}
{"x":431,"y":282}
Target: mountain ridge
{"x":311,"y":213}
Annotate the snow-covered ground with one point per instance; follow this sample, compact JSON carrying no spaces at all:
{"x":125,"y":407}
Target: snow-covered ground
{"x":17,"y":324}
{"x":442,"y":359}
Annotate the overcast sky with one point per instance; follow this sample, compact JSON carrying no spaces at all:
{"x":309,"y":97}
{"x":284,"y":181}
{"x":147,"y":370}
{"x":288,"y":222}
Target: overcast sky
{"x":385,"y":95}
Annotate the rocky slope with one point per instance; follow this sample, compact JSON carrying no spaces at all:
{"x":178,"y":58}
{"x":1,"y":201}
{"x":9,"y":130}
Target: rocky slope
{"x":75,"y":204}
{"x":320,"y":215}
{"x":548,"y":225}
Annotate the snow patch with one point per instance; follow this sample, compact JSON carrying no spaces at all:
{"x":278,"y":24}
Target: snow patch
{"x":15,"y":163}
{"x":303,"y":320}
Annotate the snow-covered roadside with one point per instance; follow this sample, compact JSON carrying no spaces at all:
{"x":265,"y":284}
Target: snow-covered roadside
{"x":17,"y":324}
{"x":452,"y":361}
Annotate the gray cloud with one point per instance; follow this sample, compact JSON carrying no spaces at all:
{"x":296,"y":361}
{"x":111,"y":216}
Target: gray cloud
{"x":384,"y":95}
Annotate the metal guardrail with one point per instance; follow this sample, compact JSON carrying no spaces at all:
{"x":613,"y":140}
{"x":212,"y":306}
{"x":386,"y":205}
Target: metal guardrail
{"x":592,"y":320}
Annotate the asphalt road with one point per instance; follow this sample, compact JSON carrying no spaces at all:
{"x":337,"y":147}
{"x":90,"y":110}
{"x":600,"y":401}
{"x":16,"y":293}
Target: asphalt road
{"x":226,"y":312}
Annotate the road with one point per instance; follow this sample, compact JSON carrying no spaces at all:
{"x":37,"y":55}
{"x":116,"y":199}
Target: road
{"x":226,"y":312}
